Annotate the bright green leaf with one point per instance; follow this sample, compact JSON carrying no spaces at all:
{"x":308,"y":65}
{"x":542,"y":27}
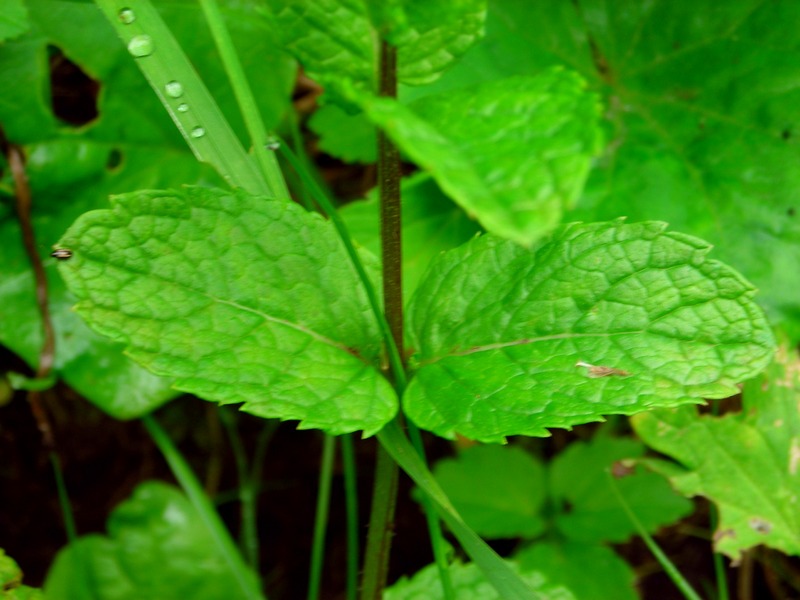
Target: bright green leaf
{"x":514,"y":153}
{"x":498,"y":490}
{"x":157,"y":547}
{"x":13,"y":19}
{"x":11,"y":587}
{"x":239,"y":298}
{"x":349,"y":137}
{"x":606,"y":318}
{"x":431,"y":224}
{"x":590,"y":572}
{"x":469,"y":584}
{"x":747,"y":463}
{"x":335,"y":41}
{"x":591,"y":511}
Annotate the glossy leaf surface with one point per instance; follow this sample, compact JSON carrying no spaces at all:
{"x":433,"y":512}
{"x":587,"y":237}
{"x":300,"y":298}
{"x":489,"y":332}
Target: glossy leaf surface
{"x":239,"y":298}
{"x":598,"y":319}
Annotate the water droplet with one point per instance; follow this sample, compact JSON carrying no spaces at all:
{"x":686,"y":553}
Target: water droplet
{"x":127,"y":16}
{"x":141,"y":46}
{"x":174,"y":89}
{"x":183,"y":107}
{"x":273,"y":143}
{"x":198,"y":132}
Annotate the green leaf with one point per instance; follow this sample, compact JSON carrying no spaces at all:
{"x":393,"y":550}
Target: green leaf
{"x":349,"y":137}
{"x":702,"y":118}
{"x":747,"y":463}
{"x":590,"y":572}
{"x":591,"y":511}
{"x":157,"y":547}
{"x":515,"y":153}
{"x":606,"y":318}
{"x":469,"y":584}
{"x":11,"y":587}
{"x":335,"y":41}
{"x":239,"y":298}
{"x":13,"y":19}
{"x":499,"y":490}
{"x":431,"y":224}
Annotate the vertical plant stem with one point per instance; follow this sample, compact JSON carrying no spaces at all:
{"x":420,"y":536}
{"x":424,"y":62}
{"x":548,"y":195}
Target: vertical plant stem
{"x":194,"y":491}
{"x":244,"y":97}
{"x":63,"y":499}
{"x":719,"y":566}
{"x":384,"y":495}
{"x":321,"y":518}
{"x":351,"y":506}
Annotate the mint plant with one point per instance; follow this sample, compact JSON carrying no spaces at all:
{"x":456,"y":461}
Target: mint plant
{"x":504,"y":316}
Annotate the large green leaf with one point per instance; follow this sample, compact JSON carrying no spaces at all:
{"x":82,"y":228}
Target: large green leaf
{"x":598,"y":319}
{"x":13,"y":19}
{"x":499,"y":491}
{"x":11,"y":587}
{"x":431,"y":224}
{"x":702,"y":118}
{"x":469,"y":584}
{"x":590,"y":572}
{"x":747,"y":463}
{"x":157,"y":547}
{"x":240,"y":298}
{"x":591,"y":510}
{"x":514,"y":153}
{"x":336,"y":41}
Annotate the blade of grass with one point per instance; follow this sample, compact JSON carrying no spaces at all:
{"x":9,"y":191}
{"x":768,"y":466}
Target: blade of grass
{"x":507,"y":583}
{"x":194,"y":491}
{"x":668,"y":566}
{"x":321,"y":517}
{"x":183,"y":94}
{"x":351,"y":506}
{"x":245,"y":99}
{"x":63,"y":499}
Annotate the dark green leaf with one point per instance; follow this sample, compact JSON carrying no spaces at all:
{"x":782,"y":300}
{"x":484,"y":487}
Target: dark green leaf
{"x":157,"y":547}
{"x":599,"y":319}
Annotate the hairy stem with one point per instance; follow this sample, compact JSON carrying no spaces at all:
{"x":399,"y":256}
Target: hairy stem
{"x":384,"y":498}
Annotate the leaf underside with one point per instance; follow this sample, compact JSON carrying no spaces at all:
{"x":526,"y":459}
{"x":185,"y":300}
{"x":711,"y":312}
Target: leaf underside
{"x":239,"y":298}
{"x":605,"y":318}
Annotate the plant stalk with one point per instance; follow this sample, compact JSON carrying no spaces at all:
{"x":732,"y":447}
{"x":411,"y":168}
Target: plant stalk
{"x":321,"y":518}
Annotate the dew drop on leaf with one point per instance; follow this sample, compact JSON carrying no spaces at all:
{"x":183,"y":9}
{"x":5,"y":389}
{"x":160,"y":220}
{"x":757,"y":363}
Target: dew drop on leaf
{"x":141,"y":46}
{"x":198,"y":132}
{"x":183,"y":107}
{"x":174,"y":89}
{"x":127,"y":16}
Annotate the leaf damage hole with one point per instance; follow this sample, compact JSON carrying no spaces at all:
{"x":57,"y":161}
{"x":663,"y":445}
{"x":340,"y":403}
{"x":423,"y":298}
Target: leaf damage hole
{"x":73,"y":94}
{"x":596,"y":371}
{"x":760,"y":525}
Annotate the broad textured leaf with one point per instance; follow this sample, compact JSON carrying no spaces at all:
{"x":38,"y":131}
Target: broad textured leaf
{"x":598,"y":319}
{"x":702,"y":115}
{"x":468,"y":584}
{"x":499,"y":490}
{"x":239,"y":298}
{"x":431,"y":224}
{"x":591,"y":510}
{"x":747,"y":464}
{"x":335,"y":40}
{"x":513,"y":153}
{"x":157,"y":547}
{"x":590,"y":572}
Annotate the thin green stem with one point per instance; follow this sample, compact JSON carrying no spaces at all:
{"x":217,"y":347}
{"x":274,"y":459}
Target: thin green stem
{"x":381,"y":525}
{"x":321,"y":518}
{"x":438,"y":543}
{"x":245,"y":99}
{"x":351,"y":506}
{"x":248,"y":584}
{"x":719,"y":565}
{"x":247,"y":495}
{"x":668,"y":566}
{"x":63,"y":499}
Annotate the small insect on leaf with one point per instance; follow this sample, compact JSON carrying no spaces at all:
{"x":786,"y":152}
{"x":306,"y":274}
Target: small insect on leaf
{"x":61,"y":254}
{"x":595,"y":371}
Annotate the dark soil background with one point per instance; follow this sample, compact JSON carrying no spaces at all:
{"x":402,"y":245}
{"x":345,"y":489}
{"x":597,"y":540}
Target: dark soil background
{"x":103,"y":460}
